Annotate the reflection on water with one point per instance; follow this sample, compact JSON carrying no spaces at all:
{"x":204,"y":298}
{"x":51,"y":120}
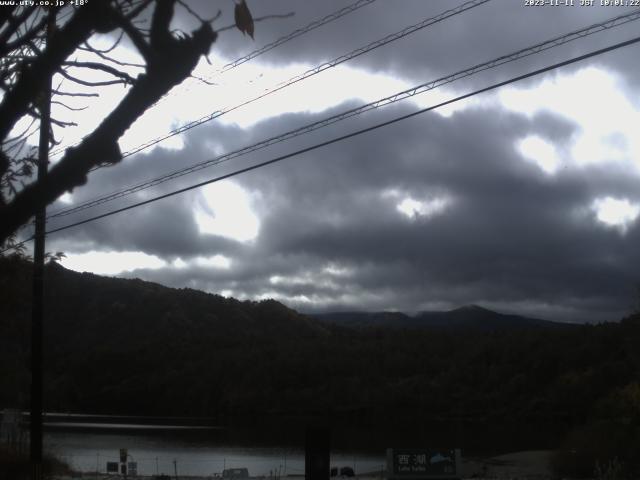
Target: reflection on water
{"x":193,"y":454}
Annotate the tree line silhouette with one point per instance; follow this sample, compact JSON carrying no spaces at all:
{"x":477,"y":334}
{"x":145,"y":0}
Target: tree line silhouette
{"x":119,"y":346}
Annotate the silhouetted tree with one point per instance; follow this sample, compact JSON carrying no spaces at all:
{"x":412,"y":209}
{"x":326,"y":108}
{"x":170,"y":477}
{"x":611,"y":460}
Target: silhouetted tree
{"x":27,"y":60}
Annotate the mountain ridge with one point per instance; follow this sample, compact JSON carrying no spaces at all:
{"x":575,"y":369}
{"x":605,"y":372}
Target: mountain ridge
{"x":465,"y":317}
{"x":468,"y":317}
{"x":129,"y":347}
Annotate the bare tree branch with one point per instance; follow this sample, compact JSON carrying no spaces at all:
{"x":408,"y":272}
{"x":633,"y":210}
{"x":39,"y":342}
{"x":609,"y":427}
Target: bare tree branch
{"x":135,"y":11}
{"x":24,"y":133}
{"x":101,"y":66}
{"x":172,"y":60}
{"x":16,"y":101}
{"x":204,"y":80}
{"x":14,"y":24}
{"x":194,"y":14}
{"x":134,"y":34}
{"x":90,"y":48}
{"x":35,"y":114}
{"x":169,"y":58}
{"x":160,"y":36}
{"x":88,"y":83}
{"x":25,"y":39}
{"x":74,"y":94}
{"x":99,"y":53}
{"x":73,"y":109}
{"x":5,"y":14}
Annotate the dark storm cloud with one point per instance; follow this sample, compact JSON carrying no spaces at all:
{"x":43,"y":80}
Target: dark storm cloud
{"x":331,"y":235}
{"x":480,"y":34}
{"x":167,"y":228}
{"x":509,"y":237}
{"x":513,"y":236}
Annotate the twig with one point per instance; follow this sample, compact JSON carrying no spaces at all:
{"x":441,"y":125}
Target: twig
{"x":73,"y":109}
{"x":91,"y":48}
{"x":105,"y":68}
{"x":113,"y":60}
{"x":74,"y":94}
{"x":203,"y":80}
{"x":86,"y":83}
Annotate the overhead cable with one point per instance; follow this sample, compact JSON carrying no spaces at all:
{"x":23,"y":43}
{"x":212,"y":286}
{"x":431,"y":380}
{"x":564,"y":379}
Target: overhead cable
{"x":422,"y":88}
{"x":313,"y":71}
{"x":295,"y":34}
{"x":352,"y":134}
{"x":309,"y":73}
{"x":340,"y":138}
{"x":270,"y":46}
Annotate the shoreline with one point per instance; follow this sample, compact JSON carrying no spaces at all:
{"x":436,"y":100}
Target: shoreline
{"x":529,"y":464}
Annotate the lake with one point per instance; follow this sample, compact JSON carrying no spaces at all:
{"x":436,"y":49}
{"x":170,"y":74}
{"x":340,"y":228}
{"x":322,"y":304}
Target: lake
{"x":194,"y":452}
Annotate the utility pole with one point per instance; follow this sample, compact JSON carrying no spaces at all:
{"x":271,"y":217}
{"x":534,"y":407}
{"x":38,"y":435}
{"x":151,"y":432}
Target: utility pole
{"x":35,"y":420}
{"x":316,"y":454}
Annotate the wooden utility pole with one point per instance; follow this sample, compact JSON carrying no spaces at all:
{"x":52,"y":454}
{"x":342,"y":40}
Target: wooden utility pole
{"x":316,"y":455}
{"x":35,"y":420}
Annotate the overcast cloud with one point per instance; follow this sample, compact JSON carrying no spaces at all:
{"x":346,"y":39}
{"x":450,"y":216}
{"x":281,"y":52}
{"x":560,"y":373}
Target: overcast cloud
{"x":524,"y":200}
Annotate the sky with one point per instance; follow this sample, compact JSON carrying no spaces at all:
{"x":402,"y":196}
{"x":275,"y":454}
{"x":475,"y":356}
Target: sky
{"x":524,"y":199}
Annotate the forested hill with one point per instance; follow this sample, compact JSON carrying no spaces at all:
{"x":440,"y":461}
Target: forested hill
{"x":118,"y":346}
{"x":469,"y":317}
{"x":113,"y":344}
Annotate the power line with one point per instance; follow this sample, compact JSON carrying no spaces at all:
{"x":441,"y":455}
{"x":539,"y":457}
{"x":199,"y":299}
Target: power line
{"x":295,"y":34}
{"x":270,"y":46}
{"x":309,"y":73}
{"x":424,"y":87}
{"x":341,"y":138}
{"x":353,"y":134}
{"x":343,"y":58}
{"x":314,"y":71}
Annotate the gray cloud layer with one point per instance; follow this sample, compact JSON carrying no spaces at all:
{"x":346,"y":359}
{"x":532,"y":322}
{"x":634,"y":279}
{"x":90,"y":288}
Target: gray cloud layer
{"x":330,"y":234}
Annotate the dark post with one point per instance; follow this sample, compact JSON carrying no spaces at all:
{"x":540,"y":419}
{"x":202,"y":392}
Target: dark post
{"x":316,"y":454}
{"x":35,"y":421}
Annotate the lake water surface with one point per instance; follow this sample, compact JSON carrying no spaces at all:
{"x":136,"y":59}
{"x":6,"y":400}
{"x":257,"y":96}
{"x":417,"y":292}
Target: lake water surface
{"x":193,"y":454}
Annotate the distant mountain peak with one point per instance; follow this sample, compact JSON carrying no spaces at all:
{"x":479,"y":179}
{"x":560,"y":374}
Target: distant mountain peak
{"x":468,"y":317}
{"x":471,"y":308}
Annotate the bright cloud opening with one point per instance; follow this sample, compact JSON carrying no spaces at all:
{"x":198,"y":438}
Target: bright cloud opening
{"x":317,"y":278}
{"x":179,"y":263}
{"x":111,"y":263}
{"x":595,"y":100}
{"x":616,"y":213}
{"x":337,"y":270}
{"x":224,"y":209}
{"x":413,"y":208}
{"x":540,"y":152}
{"x":306,"y":278}
{"x":315,"y":94}
{"x":66,"y":198}
{"x":216,"y":261}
